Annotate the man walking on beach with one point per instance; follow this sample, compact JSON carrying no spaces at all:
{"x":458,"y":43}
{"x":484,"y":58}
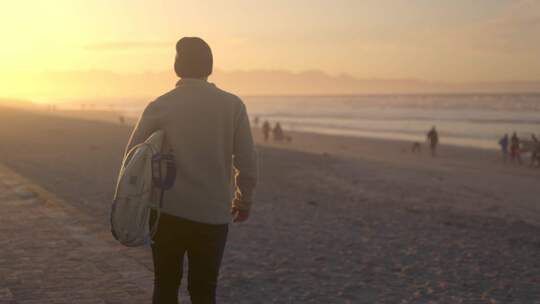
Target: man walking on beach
{"x":504,"y":147}
{"x":433,"y":138}
{"x":515,"y":149}
{"x":535,"y":150}
{"x":266,"y":130}
{"x":208,"y":132}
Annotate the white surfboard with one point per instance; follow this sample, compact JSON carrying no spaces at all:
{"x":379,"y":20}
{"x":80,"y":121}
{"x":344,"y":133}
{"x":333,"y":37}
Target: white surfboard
{"x":135,"y":195}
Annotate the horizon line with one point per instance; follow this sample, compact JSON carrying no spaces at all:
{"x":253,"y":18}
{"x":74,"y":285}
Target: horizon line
{"x":295,"y":73}
{"x":472,"y":93}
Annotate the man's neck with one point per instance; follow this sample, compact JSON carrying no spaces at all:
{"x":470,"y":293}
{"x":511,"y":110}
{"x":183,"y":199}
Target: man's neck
{"x":194,"y":78}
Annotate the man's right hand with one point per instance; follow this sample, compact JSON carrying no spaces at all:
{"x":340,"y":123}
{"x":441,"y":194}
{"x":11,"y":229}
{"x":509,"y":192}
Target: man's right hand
{"x":239,"y":216}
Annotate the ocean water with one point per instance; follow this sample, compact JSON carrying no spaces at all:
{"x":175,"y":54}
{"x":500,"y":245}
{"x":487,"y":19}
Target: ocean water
{"x":465,"y":120}
{"x":476,"y":120}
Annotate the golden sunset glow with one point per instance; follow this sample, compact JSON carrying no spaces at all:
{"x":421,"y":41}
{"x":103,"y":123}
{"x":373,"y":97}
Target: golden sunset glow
{"x":432,"y":41}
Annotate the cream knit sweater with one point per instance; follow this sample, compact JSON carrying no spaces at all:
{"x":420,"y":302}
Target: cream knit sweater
{"x":208,"y":132}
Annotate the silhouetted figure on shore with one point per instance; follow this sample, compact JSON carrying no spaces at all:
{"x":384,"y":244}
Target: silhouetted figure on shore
{"x":433,"y":138}
{"x":504,"y":147}
{"x":277,"y":132}
{"x":256,"y":121}
{"x":266,"y":130}
{"x":515,"y":149}
{"x":535,"y":151}
{"x":122,"y":119}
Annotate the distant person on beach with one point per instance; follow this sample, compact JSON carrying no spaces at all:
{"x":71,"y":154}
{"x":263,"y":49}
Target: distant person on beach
{"x":122,"y":119}
{"x":208,"y":132}
{"x":266,"y":130}
{"x":535,"y":151}
{"x":433,"y":138}
{"x":256,"y":121}
{"x":504,"y":147}
{"x":515,"y":149}
{"x":277,"y":132}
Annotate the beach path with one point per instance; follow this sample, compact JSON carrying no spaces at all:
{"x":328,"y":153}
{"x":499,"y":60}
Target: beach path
{"x":52,"y":253}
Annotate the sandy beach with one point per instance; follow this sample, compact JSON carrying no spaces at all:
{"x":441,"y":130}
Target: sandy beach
{"x":336,"y":220}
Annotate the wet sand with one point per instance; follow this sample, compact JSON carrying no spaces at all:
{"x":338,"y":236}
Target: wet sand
{"x":337,"y":219}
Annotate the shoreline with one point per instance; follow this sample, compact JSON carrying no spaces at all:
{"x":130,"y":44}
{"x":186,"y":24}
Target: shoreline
{"x":111,"y":116}
{"x":464,"y":166}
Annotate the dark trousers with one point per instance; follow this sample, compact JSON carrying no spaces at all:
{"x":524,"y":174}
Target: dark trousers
{"x":204,"y":245}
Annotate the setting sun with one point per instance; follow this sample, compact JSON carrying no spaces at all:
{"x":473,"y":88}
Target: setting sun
{"x":407,"y":40}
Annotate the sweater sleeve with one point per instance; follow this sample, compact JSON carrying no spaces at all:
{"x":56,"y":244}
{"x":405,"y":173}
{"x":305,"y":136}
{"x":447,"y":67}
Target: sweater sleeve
{"x":245,"y":162}
{"x":146,"y":125}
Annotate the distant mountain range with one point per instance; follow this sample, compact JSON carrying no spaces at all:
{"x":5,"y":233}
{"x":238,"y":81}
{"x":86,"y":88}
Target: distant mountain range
{"x":320,"y":83}
{"x":97,"y":85}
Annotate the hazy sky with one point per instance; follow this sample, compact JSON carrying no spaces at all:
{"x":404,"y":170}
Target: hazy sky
{"x":458,"y":40}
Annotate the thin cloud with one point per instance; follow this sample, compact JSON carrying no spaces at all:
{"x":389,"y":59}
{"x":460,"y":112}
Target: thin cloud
{"x":127,"y":45}
{"x":513,"y":31}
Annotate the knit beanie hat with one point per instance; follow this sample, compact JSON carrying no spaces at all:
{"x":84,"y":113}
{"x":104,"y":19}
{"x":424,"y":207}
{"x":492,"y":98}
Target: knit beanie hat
{"x":193,"y":58}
